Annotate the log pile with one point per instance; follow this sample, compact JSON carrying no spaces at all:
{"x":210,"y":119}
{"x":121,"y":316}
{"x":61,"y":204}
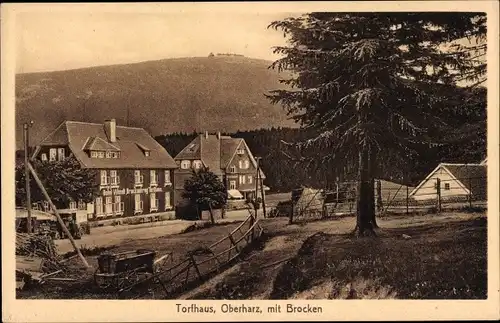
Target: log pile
{"x":42,"y":246}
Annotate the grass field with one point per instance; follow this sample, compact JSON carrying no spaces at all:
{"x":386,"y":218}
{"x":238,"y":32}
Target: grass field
{"x":433,"y":256}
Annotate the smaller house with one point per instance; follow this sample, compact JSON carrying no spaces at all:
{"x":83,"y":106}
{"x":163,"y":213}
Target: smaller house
{"x":456,"y":181}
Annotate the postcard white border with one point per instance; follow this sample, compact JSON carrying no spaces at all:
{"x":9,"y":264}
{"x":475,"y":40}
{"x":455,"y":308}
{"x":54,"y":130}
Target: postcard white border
{"x":157,"y":310}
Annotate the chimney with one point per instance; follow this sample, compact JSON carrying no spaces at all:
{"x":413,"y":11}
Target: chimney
{"x":206,"y":134}
{"x":110,"y":128}
{"x":218,"y":135}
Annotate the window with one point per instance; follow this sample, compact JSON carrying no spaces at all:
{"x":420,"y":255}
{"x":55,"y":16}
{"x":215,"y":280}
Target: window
{"x":240,"y":164}
{"x":139,"y":179}
{"x":232,"y":185}
{"x":108,"y":154}
{"x":168,"y":204}
{"x":146,"y":153}
{"x":185,"y":164}
{"x":115,"y":180}
{"x":104,"y":177}
{"x":232,"y":169}
{"x":152,"y":177}
{"x":119,"y":205}
{"x":153,"y":205}
{"x":243,"y":179}
{"x":240,"y":151}
{"x":167,"y":177}
{"x":250,"y":179}
{"x":100,"y":154}
{"x":138,"y":203}
{"x":244,"y":164}
{"x":44,"y":157}
{"x":197,"y":164}
{"x":109,"y":205}
{"x":98,"y":206}
{"x":93,"y":154}
{"x":446,"y":186}
{"x":82,"y":205}
{"x":72,"y":205}
{"x":60,"y":154}
{"x":52,"y":154}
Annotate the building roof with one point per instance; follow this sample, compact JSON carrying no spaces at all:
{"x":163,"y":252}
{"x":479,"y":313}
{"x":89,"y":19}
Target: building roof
{"x":472,"y":177}
{"x":215,"y":151}
{"x":82,"y":136}
{"x":228,"y":149}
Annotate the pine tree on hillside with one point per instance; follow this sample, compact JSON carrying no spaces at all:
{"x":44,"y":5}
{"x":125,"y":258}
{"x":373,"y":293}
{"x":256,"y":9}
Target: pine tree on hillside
{"x":364,"y":82}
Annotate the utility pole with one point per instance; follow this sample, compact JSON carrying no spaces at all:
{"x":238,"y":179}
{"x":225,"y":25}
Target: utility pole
{"x":26,"y":127}
{"x":256,"y":205}
{"x":262,"y":192}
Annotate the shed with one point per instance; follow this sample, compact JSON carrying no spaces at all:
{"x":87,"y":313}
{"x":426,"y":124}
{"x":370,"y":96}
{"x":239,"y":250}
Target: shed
{"x":456,"y":180}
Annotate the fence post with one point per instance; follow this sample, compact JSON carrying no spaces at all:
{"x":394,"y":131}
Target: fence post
{"x":379,"y":196}
{"x":195,"y":266}
{"x":438,"y":191}
{"x":407,"y":200}
{"x":234,"y":244}
{"x":470,"y":191}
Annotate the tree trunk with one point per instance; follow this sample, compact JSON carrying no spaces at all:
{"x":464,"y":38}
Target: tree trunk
{"x":371,"y":174}
{"x":366,"y":196}
{"x":211,"y":214}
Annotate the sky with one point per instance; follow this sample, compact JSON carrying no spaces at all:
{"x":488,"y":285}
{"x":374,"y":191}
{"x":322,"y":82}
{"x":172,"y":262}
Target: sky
{"x":60,"y":40}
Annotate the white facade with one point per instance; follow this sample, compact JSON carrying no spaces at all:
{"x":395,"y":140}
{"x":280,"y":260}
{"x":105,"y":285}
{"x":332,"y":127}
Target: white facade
{"x":450,"y":186}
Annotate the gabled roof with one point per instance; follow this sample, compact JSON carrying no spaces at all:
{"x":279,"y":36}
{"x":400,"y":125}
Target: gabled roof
{"x":191,"y":151}
{"x":79,"y":136}
{"x":472,"y":177}
{"x":211,"y":153}
{"x":99,"y":144}
{"x":228,"y":149}
{"x":216,"y":153}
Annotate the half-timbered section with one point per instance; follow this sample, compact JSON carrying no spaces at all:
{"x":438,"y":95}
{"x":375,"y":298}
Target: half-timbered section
{"x":229,"y":158}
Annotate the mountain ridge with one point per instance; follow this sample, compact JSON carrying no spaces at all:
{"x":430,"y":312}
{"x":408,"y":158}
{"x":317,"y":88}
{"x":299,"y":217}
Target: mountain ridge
{"x":220,"y":93}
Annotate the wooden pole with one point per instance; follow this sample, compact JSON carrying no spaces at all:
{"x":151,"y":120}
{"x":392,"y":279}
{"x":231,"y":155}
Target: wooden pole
{"x":407,"y":200}
{"x":470,"y":191}
{"x":27,"y":177}
{"x":262,"y":192}
{"x":59,"y":219}
{"x":438,"y":190}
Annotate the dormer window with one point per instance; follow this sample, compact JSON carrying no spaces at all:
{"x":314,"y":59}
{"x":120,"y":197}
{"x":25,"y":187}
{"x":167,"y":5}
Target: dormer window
{"x":191,"y":147}
{"x":197,"y":164}
{"x":185,"y":164}
{"x":146,"y":151}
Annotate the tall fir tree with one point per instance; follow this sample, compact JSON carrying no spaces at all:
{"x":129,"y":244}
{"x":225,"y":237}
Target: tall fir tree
{"x":366,"y":83}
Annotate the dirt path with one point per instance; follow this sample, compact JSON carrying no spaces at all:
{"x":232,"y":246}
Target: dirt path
{"x":115,"y":235}
{"x":254,"y":278}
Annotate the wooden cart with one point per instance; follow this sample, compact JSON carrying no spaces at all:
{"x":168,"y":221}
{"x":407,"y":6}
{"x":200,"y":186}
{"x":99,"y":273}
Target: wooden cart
{"x":119,"y":270}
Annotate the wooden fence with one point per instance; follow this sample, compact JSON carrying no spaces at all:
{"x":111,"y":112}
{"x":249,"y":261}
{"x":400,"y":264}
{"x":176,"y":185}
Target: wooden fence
{"x":440,"y":196}
{"x":198,"y":265}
